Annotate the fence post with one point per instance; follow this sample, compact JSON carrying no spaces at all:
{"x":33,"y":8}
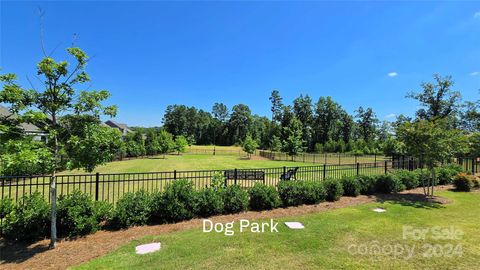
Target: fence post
{"x":358,"y":168}
{"x":97,"y":180}
{"x":386,"y":167}
{"x":324,"y":171}
{"x":339,"y":159}
{"x":174,"y":174}
{"x":284,"y":171}
{"x":375,"y":159}
{"x":235,"y":176}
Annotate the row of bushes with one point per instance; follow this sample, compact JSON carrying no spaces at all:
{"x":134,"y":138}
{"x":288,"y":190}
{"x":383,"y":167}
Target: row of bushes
{"x":78,"y":215}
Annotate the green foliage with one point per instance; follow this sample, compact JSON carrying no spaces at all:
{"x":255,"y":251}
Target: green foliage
{"x":98,"y":145}
{"x":6,"y":207}
{"x":293,"y":144}
{"x":388,"y":183}
{"x":29,"y":219}
{"x":25,"y":157}
{"x":410,"y":179}
{"x":276,"y":144}
{"x":218,"y":181}
{"x":133,"y":209}
{"x":263,"y":197}
{"x":166,"y":142}
{"x":235,"y":199}
{"x":464,"y":182}
{"x":178,"y":202}
{"x":181,"y":144}
{"x":333,"y":189}
{"x":103,"y":212}
{"x":367,"y":184}
{"x":447,"y":173}
{"x":209,"y":202}
{"x":293,"y":193}
{"x":76,"y":215}
{"x":249,"y":145}
{"x":351,"y":186}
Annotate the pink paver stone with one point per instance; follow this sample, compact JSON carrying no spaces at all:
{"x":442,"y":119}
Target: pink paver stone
{"x":147,"y":248}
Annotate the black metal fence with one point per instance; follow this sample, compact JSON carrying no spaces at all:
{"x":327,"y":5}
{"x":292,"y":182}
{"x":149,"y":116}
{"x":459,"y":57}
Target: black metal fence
{"x":111,"y":186}
{"x":325,"y":158}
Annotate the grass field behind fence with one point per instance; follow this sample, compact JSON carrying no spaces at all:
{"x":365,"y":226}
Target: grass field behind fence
{"x":154,"y":174}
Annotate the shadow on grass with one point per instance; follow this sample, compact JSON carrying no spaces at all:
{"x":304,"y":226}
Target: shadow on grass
{"x":20,"y":251}
{"x":413,"y":200}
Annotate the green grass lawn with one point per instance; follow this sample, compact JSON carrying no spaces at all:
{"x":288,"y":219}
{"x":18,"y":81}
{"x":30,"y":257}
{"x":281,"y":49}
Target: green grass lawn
{"x":188,"y":162}
{"x":323,"y":244}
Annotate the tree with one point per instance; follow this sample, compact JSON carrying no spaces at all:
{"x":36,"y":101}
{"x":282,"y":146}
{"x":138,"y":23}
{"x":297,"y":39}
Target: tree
{"x":249,"y":145}
{"x":240,"y":123}
{"x":276,"y":144}
{"x":166,"y":142}
{"x":152,"y":147}
{"x":366,"y":122}
{"x":293,"y":143}
{"x":181,"y":144}
{"x":437,"y":99}
{"x":220,"y":112}
{"x":98,"y":145}
{"x":326,"y":113}
{"x":57,"y":96}
{"x":431,"y":142}
{"x":277,"y":105}
{"x":302,"y":108}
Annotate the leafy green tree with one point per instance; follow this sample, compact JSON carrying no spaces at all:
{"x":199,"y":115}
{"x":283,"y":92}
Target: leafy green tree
{"x":181,"y":144}
{"x":166,"y":142}
{"x":25,"y":157}
{"x":366,"y":122}
{"x":276,"y":144}
{"x":97,"y":146}
{"x":302,"y":108}
{"x":152,"y":147}
{"x":326,"y":114}
{"x":293,"y":143}
{"x":56,"y":96}
{"x":249,"y":145}
{"x":431,"y":142}
{"x":437,"y":99}
{"x":240,"y":123}
{"x":277,"y":105}
{"x":220,"y":112}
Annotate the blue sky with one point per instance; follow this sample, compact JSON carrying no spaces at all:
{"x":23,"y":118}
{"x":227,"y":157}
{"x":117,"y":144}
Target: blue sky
{"x":152,"y":54}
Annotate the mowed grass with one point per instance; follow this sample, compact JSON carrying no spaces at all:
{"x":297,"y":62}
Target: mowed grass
{"x":187,"y":162}
{"x":324,"y":243}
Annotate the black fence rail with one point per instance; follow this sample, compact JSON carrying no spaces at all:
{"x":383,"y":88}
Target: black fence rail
{"x":112,"y":186}
{"x":325,"y":158}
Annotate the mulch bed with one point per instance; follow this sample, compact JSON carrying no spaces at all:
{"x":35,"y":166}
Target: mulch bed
{"x":80,"y":250}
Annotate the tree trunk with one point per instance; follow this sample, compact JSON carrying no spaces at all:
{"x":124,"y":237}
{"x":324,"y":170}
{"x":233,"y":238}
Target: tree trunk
{"x":53,"y":189}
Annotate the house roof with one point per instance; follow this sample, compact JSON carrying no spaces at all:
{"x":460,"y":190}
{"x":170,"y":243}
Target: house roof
{"x":27,"y":127}
{"x":120,"y":126}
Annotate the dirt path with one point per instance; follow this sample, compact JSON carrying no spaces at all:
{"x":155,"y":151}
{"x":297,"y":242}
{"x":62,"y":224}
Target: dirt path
{"x":74,"y":252}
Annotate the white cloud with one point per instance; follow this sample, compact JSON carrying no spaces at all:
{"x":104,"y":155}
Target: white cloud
{"x":476,"y":15}
{"x":475,"y":73}
{"x":392,"y":74}
{"x":390,"y":116}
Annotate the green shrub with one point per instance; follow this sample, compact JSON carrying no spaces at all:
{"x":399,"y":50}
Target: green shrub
{"x":313,"y":192}
{"x":103,"y":212}
{"x":464,"y":182}
{"x":235,"y":199}
{"x":293,"y":193}
{"x":133,"y":209}
{"x":209,"y":202}
{"x":333,"y":189}
{"x":447,"y":173}
{"x":178,"y":202}
{"x":367,"y":184}
{"x":6,"y":207}
{"x":476,"y":182}
{"x":351,"y":186}
{"x":388,"y":183}
{"x":423,"y":176}
{"x":263,"y":197}
{"x":408,"y":178}
{"x":76,"y":215}
{"x":29,"y":220}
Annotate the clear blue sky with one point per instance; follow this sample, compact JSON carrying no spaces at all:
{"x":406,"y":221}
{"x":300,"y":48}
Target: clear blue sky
{"x":152,"y":54}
